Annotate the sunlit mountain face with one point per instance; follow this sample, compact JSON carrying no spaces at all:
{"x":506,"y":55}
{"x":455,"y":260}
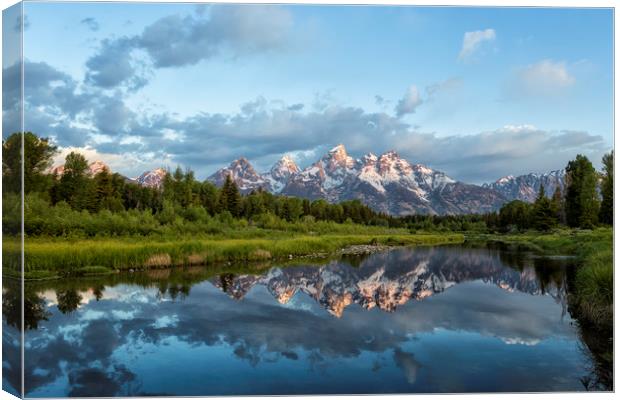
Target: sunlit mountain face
{"x":434,"y":319}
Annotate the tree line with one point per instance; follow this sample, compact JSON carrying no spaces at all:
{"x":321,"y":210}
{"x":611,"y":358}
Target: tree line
{"x":585,"y":201}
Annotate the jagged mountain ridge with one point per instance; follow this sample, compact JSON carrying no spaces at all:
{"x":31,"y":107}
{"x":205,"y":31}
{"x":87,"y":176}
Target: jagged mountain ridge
{"x":244,"y":175}
{"x":281,"y":172}
{"x":154,"y":178}
{"x":386,"y":183}
{"x":526,"y":187}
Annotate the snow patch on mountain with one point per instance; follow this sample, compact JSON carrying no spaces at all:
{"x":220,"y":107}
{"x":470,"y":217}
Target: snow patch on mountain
{"x":526,"y":187}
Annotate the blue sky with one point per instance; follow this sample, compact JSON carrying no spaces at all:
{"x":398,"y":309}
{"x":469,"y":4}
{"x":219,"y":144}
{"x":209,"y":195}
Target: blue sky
{"x":476,"y":92}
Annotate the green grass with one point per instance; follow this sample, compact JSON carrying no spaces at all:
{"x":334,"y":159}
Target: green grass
{"x":77,"y":257}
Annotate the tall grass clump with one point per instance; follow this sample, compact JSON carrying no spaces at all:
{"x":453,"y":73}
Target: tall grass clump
{"x":594,"y":280}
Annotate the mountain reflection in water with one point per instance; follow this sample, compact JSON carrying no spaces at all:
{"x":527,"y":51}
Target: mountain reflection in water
{"x":436,"y":319}
{"x":387,"y":280}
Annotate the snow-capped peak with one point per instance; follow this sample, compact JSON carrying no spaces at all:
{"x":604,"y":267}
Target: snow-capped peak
{"x":285,"y":166}
{"x":526,"y":187}
{"x":154,"y":178}
{"x":505,"y":179}
{"x":339,"y":149}
{"x":369,"y":158}
{"x":390,"y":154}
{"x":243,"y":174}
{"x":280,"y":173}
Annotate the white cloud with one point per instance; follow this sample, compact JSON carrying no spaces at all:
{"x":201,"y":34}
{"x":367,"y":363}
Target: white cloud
{"x":544,"y":77}
{"x":410,"y":102}
{"x":473,"y":42}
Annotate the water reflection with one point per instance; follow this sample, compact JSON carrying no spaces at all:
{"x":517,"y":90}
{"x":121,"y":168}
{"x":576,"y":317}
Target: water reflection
{"x":445,"y":319}
{"x":390,"y":279}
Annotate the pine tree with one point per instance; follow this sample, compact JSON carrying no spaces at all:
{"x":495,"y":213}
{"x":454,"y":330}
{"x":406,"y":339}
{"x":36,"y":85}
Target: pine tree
{"x":106,"y":192}
{"x":208,"y":197}
{"x":581,"y":199}
{"x":233,"y":198}
{"x":222,"y":198}
{"x":606,"y":213}
{"x":544,"y":215}
{"x":516,"y":213}
{"x":557,"y":205}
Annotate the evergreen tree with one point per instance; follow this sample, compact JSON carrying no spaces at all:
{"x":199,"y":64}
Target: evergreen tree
{"x":106,"y":194}
{"x":581,"y":199}
{"x":208,"y":197}
{"x":188,"y":188}
{"x":233,"y":198}
{"x":292,"y":208}
{"x":557,"y":205}
{"x":544,"y":216}
{"x":74,"y":181}
{"x":229,"y":198}
{"x":222,"y":198}
{"x":306,"y":207}
{"x":606,"y":213}
{"x":515,"y":214}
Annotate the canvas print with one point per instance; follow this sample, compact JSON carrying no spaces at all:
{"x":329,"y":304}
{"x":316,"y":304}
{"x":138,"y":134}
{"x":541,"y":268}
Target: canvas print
{"x":263,"y":199}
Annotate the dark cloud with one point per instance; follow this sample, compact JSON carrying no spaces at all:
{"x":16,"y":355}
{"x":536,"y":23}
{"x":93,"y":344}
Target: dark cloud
{"x":91,"y":23}
{"x":55,"y":106}
{"x":114,"y":65}
{"x":111,"y":115}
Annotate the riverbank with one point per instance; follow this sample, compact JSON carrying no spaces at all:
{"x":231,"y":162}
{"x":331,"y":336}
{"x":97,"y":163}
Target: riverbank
{"x":54,"y":257}
{"x":591,"y":297}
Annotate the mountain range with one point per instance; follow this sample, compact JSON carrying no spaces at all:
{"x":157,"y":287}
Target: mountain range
{"x":387,"y":183}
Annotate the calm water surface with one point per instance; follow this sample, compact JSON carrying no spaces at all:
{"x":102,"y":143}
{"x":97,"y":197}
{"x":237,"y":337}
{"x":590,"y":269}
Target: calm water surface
{"x":442,"y":319}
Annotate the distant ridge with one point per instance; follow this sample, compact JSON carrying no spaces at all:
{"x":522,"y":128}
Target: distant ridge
{"x":526,"y":187}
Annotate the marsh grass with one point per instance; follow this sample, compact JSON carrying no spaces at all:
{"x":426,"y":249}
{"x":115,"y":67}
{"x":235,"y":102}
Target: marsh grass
{"x":76,"y":257}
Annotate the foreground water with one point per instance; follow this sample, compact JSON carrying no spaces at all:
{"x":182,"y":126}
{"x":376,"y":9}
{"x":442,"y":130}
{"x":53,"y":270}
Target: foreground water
{"x":442,"y":319}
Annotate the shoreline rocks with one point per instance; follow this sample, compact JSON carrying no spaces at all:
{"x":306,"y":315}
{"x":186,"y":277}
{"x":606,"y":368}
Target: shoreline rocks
{"x":362,"y":249}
